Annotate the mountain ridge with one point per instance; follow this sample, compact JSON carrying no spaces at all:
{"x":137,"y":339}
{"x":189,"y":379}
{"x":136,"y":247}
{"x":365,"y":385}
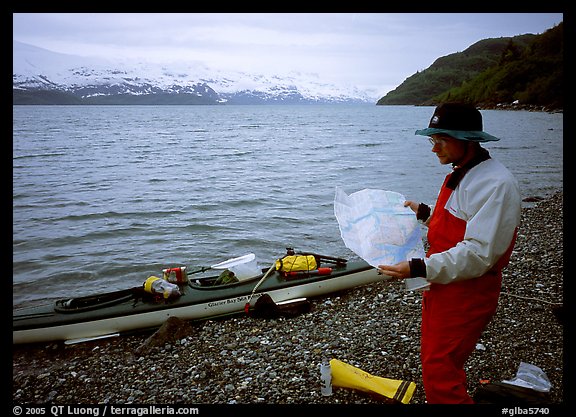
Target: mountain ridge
{"x":41,"y":76}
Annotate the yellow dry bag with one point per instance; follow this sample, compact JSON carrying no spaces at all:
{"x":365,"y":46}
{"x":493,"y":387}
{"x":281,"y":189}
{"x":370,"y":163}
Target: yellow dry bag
{"x":296,"y":263}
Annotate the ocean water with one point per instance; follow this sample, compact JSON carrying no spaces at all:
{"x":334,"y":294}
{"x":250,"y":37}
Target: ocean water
{"x":105,"y":196}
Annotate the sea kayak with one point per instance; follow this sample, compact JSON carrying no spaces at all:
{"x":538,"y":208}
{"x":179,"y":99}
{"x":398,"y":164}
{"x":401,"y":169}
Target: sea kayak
{"x":119,"y":312}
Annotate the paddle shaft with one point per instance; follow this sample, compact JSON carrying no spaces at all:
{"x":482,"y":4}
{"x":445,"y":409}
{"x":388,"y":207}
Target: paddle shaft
{"x":219,"y":265}
{"x":327,"y":259}
{"x":202,"y":269}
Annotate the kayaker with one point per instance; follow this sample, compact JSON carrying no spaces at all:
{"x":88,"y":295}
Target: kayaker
{"x":471,"y":232}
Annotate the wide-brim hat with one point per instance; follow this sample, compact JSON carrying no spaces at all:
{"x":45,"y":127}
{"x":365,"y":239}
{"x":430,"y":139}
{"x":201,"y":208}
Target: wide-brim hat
{"x":460,"y":121}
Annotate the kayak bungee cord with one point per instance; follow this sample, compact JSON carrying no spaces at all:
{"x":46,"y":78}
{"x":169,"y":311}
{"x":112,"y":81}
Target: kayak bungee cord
{"x":272,"y":268}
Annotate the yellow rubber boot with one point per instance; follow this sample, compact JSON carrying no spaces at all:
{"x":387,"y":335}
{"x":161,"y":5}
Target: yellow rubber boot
{"x":348,"y":376}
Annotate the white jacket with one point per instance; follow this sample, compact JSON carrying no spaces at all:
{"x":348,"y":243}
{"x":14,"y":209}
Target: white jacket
{"x":488,"y":199}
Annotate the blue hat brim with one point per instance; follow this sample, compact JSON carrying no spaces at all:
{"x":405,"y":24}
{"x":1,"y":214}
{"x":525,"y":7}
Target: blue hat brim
{"x":473,"y":136}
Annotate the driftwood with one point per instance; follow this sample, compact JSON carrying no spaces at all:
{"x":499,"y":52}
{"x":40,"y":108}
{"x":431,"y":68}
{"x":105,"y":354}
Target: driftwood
{"x":172,"y":329}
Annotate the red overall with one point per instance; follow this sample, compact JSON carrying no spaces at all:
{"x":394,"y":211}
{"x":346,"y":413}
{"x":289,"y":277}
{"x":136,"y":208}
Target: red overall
{"x":454,"y":315}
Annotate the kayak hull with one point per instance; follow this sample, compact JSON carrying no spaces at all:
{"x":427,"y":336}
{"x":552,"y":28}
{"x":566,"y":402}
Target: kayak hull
{"x":47,"y":323}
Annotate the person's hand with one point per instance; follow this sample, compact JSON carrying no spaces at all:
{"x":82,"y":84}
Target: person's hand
{"x":412,"y":204}
{"x":399,"y":271}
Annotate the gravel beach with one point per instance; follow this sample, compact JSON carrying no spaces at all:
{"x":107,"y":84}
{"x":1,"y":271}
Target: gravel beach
{"x":245,"y":360}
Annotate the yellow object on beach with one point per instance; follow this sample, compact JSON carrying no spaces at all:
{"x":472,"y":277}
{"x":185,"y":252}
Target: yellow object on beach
{"x":348,"y":376}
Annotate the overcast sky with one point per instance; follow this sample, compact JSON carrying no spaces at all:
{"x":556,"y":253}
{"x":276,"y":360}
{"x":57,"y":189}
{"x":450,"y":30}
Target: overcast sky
{"x":376,"y":51}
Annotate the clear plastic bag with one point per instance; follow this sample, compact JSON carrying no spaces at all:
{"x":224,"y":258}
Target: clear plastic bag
{"x":531,"y":376}
{"x":155,"y":285}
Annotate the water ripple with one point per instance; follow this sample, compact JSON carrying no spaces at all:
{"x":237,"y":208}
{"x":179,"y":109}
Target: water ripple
{"x":104,"y":198}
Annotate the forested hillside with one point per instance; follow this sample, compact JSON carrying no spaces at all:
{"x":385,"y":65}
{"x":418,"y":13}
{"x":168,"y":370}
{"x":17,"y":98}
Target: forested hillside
{"x":527,"y":68}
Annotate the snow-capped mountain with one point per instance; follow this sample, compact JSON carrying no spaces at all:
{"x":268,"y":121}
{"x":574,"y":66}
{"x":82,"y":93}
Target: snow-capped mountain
{"x":43,"y":76}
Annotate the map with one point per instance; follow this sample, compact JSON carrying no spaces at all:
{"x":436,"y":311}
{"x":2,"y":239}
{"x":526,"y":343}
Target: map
{"x":376,"y":226}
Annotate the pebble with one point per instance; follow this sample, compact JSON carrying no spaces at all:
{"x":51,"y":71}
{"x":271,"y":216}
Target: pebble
{"x":245,"y":360}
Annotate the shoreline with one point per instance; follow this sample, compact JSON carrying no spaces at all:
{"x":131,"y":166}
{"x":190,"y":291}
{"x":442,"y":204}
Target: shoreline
{"x":244,"y":360}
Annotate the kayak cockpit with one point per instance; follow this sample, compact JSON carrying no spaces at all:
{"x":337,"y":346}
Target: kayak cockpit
{"x":92,"y":302}
{"x":221,"y":281}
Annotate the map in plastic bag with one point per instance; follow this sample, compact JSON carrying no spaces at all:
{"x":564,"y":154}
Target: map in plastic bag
{"x":376,"y":226}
